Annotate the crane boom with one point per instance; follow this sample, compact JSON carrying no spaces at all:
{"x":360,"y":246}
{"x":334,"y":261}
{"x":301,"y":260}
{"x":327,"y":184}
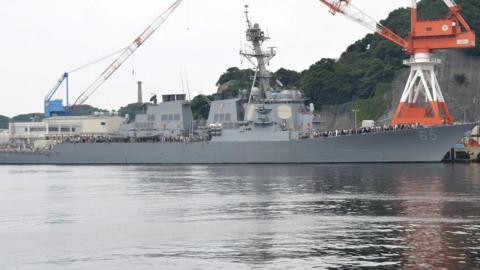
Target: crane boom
{"x":126,"y":54}
{"x":450,"y":3}
{"x":425,"y":35}
{"x":59,"y":83}
{"x":352,"y":12}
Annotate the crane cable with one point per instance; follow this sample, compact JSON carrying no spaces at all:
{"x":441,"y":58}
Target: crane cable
{"x":98,"y":60}
{"x":129,"y":51}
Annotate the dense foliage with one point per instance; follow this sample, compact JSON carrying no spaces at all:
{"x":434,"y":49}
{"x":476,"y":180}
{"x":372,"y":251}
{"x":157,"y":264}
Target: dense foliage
{"x":235,"y":79}
{"x":235,"y":74}
{"x":288,"y":78}
{"x":28,"y":117}
{"x":85,"y":110}
{"x":132,"y":110}
{"x":364,"y":65}
{"x":200,"y":107}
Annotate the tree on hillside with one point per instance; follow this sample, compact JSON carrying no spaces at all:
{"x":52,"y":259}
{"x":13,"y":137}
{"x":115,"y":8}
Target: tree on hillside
{"x":289,"y":78}
{"x":234,"y":73}
{"x":235,"y":79}
{"x":200,"y":107}
{"x":82,"y":110}
{"x":132,"y":110}
{"x":28,"y":117}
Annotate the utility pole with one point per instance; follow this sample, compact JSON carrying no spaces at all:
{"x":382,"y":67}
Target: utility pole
{"x":139,"y":93}
{"x":355,"y":111}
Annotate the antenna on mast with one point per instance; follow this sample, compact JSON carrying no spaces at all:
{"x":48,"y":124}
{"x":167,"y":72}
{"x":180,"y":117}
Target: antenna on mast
{"x":182,"y":80}
{"x":249,"y":25}
{"x":256,"y":36}
{"x":187,"y":84}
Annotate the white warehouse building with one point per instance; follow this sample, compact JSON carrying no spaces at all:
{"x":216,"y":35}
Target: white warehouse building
{"x":67,"y":125}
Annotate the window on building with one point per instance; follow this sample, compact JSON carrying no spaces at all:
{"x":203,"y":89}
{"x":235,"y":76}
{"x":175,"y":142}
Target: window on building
{"x":37,"y":129}
{"x":26,"y":129}
{"x":170,"y":117}
{"x":164,"y":117}
{"x":103,"y":123}
{"x":65,"y":129}
{"x":215,"y":117}
{"x":222,"y":117}
{"x":228,"y":117}
{"x":140,"y":125}
{"x":52,"y":129}
{"x":176,"y":117}
{"x":151,"y":118}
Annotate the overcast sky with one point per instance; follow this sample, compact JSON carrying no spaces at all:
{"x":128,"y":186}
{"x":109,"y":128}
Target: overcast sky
{"x":42,"y":39}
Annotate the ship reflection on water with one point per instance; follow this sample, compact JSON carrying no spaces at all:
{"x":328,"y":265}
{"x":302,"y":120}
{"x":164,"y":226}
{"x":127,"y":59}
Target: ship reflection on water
{"x":432,"y":234}
{"x":391,"y":216}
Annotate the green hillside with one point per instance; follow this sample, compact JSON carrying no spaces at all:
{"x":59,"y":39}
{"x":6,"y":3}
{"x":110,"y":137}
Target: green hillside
{"x":28,"y":117}
{"x":132,"y":110}
{"x":85,"y":110}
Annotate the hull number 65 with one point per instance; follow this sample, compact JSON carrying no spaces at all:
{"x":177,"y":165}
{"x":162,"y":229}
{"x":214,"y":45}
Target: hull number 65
{"x":428,"y":135}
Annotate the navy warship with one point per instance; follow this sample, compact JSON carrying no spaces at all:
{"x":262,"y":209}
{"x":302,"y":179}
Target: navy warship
{"x":263,"y":125}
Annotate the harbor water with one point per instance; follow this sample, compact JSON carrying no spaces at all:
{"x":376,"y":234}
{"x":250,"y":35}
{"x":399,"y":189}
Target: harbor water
{"x":390,"y":216}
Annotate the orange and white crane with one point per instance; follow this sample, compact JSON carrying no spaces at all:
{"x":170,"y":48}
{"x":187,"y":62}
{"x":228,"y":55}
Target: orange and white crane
{"x":126,"y":54}
{"x":55,"y":107}
{"x":424,"y":38}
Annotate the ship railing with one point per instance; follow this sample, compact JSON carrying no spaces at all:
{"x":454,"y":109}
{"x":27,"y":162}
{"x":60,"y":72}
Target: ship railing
{"x":116,"y":138}
{"x":357,"y":131}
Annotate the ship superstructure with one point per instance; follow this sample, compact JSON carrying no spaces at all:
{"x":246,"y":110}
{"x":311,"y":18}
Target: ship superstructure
{"x":267,"y":114}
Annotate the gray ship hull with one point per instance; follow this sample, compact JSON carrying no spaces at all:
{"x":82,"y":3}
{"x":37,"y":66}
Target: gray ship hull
{"x":417,"y":145}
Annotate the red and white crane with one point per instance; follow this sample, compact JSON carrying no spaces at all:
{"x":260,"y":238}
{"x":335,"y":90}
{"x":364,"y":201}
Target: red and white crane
{"x":125,"y":54}
{"x":424,"y":38}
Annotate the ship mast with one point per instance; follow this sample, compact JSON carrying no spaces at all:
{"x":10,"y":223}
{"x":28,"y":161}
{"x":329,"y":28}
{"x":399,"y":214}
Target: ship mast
{"x":257,"y":37}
